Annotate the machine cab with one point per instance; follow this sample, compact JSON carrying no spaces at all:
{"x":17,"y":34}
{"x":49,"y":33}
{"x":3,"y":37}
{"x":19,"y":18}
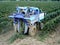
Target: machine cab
{"x":34,"y":10}
{"x":26,"y":10}
{"x":22,"y":10}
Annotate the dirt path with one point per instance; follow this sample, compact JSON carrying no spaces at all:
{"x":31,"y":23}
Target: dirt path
{"x":53,"y":39}
{"x":5,"y":37}
{"x":56,"y":36}
{"x":28,"y":41}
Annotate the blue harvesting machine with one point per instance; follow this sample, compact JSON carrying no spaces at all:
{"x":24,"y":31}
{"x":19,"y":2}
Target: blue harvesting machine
{"x":29,"y":15}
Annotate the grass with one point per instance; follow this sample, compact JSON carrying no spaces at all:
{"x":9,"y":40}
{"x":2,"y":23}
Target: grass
{"x":45,"y":6}
{"x":16,"y":36}
{"x":58,"y":41}
{"x":41,"y":35}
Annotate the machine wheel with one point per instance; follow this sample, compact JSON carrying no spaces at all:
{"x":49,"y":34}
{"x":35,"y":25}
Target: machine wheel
{"x":27,"y":33}
{"x":15,"y":27}
{"x":32,"y":30}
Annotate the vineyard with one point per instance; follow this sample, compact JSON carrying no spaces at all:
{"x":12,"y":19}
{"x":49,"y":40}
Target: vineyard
{"x":52,"y":17}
